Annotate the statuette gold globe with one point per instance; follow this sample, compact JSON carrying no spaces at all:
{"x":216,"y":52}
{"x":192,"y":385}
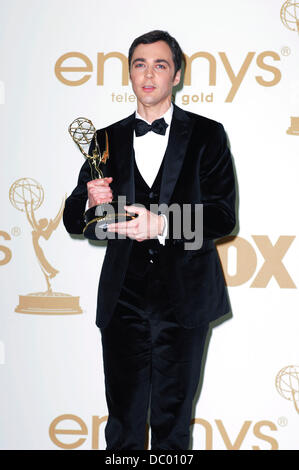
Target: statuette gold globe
{"x":287,"y":384}
{"x":289,"y":15}
{"x":26,"y":190}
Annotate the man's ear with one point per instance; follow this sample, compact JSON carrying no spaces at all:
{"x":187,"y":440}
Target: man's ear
{"x":177,"y":78}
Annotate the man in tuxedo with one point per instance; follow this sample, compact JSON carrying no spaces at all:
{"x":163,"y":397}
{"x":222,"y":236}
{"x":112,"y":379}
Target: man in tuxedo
{"x":157,"y":293}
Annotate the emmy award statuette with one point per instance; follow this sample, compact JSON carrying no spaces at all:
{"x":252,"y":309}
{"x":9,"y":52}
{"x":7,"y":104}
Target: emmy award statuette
{"x":97,"y":218}
{"x":27,"y":195}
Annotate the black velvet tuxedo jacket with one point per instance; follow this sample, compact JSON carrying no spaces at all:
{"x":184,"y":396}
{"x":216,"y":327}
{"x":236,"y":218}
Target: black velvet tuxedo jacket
{"x":197,"y":170}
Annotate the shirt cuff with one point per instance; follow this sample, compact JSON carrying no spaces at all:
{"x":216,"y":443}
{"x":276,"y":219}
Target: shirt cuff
{"x":162,"y":237}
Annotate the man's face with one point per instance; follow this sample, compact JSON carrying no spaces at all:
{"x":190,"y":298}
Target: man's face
{"x":152,"y":73}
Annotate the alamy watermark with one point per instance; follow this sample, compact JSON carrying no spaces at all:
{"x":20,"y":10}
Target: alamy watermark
{"x":185,"y":221}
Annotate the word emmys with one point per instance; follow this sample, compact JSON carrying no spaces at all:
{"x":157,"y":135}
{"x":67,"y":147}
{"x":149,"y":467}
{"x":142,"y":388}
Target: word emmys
{"x":84,"y":67}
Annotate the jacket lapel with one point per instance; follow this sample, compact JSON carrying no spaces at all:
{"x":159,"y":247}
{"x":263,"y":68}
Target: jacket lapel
{"x":179,"y":135}
{"x":124,"y":154}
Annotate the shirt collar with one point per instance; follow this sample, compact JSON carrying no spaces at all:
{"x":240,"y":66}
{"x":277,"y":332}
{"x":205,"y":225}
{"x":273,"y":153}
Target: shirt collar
{"x":167,"y":116}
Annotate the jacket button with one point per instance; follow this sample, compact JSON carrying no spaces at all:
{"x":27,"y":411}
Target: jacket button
{"x":151,"y":195}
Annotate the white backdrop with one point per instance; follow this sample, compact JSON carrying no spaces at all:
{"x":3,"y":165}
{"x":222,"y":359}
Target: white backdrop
{"x":51,"y":365}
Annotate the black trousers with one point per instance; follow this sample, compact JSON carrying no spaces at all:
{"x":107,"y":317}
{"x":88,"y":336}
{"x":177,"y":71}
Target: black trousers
{"x":150,"y":361}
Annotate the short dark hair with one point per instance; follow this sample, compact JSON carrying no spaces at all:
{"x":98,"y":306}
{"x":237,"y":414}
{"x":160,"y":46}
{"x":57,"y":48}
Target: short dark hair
{"x":155,"y":36}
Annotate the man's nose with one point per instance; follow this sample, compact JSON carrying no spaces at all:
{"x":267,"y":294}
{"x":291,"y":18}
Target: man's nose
{"x":148,"y":72}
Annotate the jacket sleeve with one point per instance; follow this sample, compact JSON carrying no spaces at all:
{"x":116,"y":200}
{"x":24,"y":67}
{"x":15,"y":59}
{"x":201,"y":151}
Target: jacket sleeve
{"x":217,"y":192}
{"x":217,"y":184}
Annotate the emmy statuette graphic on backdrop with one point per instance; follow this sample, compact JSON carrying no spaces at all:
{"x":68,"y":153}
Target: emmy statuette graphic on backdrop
{"x":294,"y":128}
{"x":289,"y":15}
{"x":97,"y":217}
{"x":27,"y":195}
{"x":287,"y":384}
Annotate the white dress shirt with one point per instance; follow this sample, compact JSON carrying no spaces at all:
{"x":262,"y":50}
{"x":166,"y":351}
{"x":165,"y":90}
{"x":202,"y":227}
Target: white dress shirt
{"x":149,"y":152}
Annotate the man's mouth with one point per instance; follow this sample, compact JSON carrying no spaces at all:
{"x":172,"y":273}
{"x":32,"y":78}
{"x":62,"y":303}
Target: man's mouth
{"x":148,"y":88}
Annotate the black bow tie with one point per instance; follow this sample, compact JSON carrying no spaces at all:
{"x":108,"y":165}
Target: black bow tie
{"x":158,"y":126}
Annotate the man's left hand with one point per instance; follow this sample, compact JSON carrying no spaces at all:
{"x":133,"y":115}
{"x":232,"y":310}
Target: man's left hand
{"x":146,"y":225}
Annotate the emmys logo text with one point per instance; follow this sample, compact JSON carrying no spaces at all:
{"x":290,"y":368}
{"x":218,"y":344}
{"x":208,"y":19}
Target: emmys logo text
{"x":76,"y":68}
{"x":6,"y":254}
{"x":69,"y":431}
{"x":239,"y":261}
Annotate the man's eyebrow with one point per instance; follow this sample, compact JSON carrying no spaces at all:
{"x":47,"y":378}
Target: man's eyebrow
{"x":162,"y":60}
{"x":141,"y":59}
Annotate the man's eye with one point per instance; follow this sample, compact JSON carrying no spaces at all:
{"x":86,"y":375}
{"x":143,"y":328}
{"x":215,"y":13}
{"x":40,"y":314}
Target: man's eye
{"x":160,"y":66}
{"x":139,"y":65}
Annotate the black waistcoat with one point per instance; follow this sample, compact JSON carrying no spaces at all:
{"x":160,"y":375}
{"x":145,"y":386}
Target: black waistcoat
{"x":145,"y":252}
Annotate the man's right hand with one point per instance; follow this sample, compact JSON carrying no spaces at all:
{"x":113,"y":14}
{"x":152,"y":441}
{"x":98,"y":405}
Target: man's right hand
{"x":99,"y":191}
